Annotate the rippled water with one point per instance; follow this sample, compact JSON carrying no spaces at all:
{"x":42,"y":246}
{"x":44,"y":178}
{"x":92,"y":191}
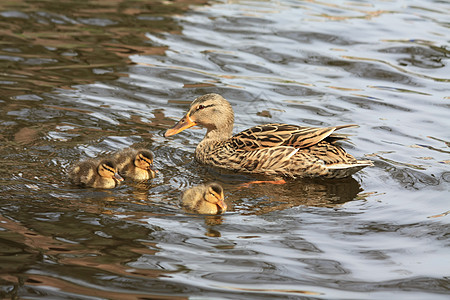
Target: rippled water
{"x":81,"y":79}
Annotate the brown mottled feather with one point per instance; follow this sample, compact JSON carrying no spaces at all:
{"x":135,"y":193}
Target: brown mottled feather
{"x":271,"y":149}
{"x":273,"y":135}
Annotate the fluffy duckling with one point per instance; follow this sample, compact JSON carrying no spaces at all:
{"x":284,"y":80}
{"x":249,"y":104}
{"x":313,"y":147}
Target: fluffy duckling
{"x":96,"y":173}
{"x":204,"y":199}
{"x":136,"y":164}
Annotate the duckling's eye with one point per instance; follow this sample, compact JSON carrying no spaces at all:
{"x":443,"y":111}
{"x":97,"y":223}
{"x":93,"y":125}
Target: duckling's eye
{"x":108,"y":168}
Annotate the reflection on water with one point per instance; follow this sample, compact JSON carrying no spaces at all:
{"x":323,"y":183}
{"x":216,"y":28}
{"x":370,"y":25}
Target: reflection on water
{"x":47,"y":46}
{"x":266,"y":198}
{"x":82,"y":79}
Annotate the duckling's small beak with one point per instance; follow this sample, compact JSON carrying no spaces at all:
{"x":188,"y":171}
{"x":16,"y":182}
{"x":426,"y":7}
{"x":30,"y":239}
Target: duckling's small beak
{"x":183,"y":124}
{"x":222,"y":204}
{"x":118,"y":177}
{"x":152,"y":170}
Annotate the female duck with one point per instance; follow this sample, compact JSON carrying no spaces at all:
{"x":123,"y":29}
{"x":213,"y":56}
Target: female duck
{"x":136,"y":164}
{"x":95,"y":173}
{"x":272,"y":149}
{"x":204,"y":199}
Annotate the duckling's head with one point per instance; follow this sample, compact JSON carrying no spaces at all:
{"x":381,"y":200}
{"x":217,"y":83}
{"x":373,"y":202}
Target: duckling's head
{"x":211,"y":111}
{"x":107,"y":169}
{"x":214,"y":194}
{"x":144,"y":160}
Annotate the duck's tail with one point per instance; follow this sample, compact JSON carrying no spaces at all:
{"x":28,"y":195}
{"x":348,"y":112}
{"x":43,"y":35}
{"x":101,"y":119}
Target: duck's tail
{"x":347,"y":169}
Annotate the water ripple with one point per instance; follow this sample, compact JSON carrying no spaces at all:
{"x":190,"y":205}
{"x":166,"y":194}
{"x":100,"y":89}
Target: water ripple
{"x":83,"y":81}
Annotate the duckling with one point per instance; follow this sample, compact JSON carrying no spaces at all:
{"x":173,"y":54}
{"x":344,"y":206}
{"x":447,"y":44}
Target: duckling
{"x":136,"y":164}
{"x":204,"y":199}
{"x":96,"y":173}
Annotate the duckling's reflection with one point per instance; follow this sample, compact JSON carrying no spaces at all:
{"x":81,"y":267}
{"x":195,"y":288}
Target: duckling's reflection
{"x":212,"y":221}
{"x":103,"y":201}
{"x":139,"y":190}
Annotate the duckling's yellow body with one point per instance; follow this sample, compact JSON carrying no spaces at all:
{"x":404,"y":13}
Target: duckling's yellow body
{"x":204,"y":199}
{"x":135,"y":164}
{"x":96,"y":173}
{"x":271,"y":149}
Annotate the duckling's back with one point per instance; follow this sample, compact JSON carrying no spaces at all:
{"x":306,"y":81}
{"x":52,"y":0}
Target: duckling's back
{"x":124,"y":160}
{"x":192,"y":198}
{"x":84,"y":173}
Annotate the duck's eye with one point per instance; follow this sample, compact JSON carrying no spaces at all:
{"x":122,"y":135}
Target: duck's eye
{"x":200,"y":107}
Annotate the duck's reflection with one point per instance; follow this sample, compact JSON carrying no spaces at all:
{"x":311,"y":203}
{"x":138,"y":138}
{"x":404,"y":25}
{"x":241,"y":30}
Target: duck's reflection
{"x":264,"y":198}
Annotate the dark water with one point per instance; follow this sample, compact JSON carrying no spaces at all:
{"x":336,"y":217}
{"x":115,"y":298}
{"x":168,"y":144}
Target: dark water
{"x":84,"y":78}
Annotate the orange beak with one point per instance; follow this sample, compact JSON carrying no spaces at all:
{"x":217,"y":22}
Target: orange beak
{"x":183,"y":124}
{"x":152,"y":168}
{"x":152,"y":171}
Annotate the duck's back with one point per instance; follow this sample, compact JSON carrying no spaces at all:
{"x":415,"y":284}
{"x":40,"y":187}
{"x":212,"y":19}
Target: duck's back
{"x":282,"y":149}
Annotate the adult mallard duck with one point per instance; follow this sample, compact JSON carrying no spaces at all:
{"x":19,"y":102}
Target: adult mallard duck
{"x":271,"y":149}
{"x":96,"y":173}
{"x":204,"y":199}
{"x":136,"y":164}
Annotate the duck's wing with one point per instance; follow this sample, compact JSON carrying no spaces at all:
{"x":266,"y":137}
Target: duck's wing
{"x":273,"y":135}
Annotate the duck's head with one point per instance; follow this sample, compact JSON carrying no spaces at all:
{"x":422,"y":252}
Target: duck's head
{"x":214,"y":194}
{"x":144,"y":160}
{"x":107,"y":169}
{"x":211,"y":111}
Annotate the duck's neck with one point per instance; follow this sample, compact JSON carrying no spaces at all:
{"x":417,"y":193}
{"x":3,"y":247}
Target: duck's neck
{"x":218,"y":133}
{"x":212,"y":138}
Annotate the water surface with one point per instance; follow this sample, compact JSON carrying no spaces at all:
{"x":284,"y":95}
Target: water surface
{"x":83,"y":79}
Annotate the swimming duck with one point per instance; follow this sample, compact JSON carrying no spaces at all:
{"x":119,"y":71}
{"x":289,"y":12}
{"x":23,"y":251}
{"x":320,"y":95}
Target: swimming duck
{"x":271,"y":149}
{"x":204,"y":199}
{"x":96,"y":173}
{"x":136,"y":164}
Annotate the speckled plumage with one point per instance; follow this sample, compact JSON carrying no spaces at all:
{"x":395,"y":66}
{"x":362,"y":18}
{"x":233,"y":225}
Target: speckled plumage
{"x":271,"y":149}
{"x":135,"y":164}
